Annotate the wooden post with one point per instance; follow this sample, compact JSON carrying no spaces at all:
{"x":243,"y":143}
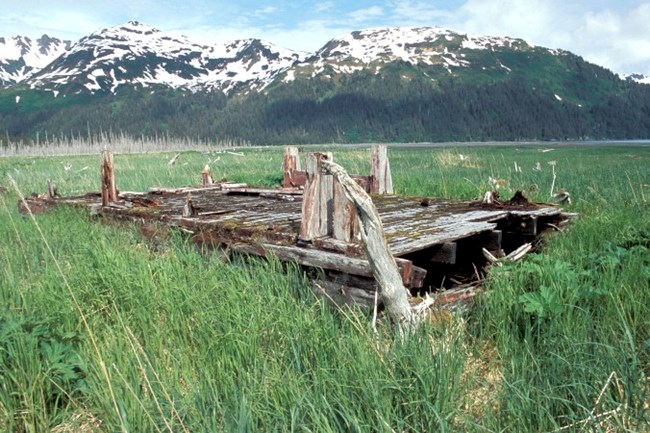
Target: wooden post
{"x":207,"y":176}
{"x":317,"y":200}
{"x":382,"y":180}
{"x":382,"y":262}
{"x":326,"y":209}
{"x":290,"y":163}
{"x":188,"y":208}
{"x":52,"y":192}
{"x":109,"y":191}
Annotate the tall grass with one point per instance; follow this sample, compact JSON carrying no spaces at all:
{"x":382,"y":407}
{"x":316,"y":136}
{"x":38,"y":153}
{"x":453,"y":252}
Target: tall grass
{"x":192,"y":342}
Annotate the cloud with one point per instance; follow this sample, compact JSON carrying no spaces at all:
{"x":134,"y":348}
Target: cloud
{"x":612,"y":33}
{"x":265,"y":11}
{"x":418,"y":13}
{"x":324,"y":6}
{"x":618,"y":39}
{"x":52,"y":22}
{"x":366,"y":14}
{"x":529,"y":19}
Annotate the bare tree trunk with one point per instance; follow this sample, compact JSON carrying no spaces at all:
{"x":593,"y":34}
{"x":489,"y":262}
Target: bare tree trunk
{"x":381,"y":261}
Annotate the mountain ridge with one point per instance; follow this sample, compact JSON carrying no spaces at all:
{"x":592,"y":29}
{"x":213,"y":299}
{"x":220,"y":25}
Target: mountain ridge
{"x":21,"y":56}
{"x":249,"y":64}
{"x":385,"y":84}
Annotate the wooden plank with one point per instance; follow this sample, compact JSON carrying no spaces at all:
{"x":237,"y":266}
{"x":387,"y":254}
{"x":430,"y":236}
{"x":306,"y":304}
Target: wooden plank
{"x":415,"y":279}
{"x":332,"y":261}
{"x":457,"y":296}
{"x":344,"y":216}
{"x":317,"y":201}
{"x":259,"y":191}
{"x":400,"y":245}
{"x":354,"y":249}
{"x":162,"y":191}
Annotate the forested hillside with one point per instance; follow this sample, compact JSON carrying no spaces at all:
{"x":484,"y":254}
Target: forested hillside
{"x":362,"y":108}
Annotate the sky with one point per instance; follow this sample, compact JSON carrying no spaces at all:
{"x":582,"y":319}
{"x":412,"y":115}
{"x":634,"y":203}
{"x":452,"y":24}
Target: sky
{"x":610,"y":33}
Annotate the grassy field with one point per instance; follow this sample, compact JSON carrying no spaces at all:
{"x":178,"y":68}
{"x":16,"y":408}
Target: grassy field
{"x":101,"y":332}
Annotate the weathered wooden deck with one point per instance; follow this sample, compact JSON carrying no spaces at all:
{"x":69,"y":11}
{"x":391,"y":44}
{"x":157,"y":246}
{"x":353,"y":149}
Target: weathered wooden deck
{"x":437,"y":244}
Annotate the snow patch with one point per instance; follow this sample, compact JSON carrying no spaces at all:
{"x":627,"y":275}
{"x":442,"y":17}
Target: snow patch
{"x":291,"y":76}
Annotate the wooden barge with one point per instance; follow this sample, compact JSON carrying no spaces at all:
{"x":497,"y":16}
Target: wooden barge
{"x":440,"y":246}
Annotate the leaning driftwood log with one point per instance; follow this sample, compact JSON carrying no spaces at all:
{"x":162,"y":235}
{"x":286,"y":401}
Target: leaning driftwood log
{"x":381,"y":261}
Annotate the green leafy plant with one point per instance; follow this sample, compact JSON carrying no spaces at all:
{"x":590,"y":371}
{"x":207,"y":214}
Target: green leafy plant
{"x":41,"y":369}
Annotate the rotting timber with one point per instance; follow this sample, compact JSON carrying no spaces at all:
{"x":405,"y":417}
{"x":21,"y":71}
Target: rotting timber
{"x":441,"y":247}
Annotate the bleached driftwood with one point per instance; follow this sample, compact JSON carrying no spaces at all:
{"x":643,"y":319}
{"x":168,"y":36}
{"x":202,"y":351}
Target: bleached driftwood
{"x":207,"y":176}
{"x":173,"y":160}
{"x":381,"y":261}
{"x":512,"y":257}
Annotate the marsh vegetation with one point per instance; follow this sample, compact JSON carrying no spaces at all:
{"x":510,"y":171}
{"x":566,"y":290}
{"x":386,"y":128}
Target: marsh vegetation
{"x":102,"y":332}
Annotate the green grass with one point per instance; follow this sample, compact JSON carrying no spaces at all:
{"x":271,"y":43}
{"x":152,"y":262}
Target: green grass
{"x":108,"y":333}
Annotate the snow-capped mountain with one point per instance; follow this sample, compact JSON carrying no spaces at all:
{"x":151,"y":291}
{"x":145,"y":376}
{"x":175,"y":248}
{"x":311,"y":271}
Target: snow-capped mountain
{"x":136,"y":54}
{"x":140,"y":56}
{"x":20,"y":57}
{"x":372,"y":48}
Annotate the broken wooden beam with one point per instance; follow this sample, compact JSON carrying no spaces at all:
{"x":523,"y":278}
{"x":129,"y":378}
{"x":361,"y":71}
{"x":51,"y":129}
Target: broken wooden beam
{"x":512,"y":257}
